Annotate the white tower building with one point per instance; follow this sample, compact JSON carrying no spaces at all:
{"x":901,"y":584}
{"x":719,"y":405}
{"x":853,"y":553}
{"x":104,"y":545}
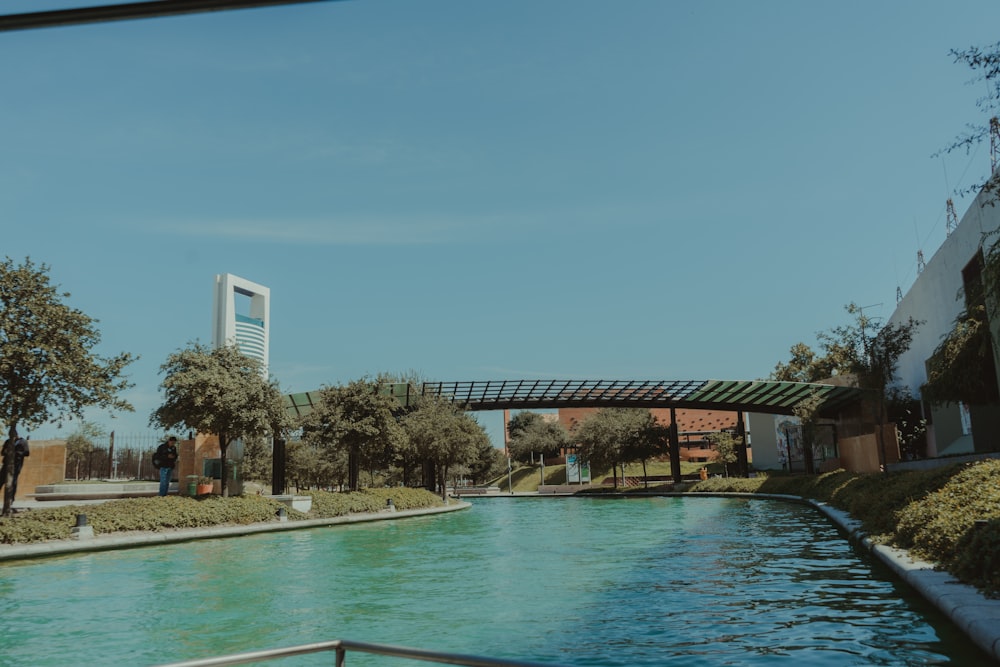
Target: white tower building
{"x":232,"y":323}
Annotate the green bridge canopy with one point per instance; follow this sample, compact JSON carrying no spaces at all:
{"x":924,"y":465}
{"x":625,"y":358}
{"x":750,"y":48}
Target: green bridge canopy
{"x":762,"y":396}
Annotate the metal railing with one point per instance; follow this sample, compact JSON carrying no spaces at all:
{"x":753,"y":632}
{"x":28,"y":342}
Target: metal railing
{"x":341,"y":646}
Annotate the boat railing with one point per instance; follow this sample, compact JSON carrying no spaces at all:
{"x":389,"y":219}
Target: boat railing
{"x":340,"y":648}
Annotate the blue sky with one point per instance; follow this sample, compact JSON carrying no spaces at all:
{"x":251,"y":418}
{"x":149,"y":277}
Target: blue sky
{"x":489,"y":190}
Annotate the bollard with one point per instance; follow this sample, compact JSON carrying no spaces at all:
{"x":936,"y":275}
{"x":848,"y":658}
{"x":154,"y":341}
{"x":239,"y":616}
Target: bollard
{"x":81,"y":531}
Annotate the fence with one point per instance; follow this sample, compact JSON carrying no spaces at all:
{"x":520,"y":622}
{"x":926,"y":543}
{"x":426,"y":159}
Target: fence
{"x":125,"y":456}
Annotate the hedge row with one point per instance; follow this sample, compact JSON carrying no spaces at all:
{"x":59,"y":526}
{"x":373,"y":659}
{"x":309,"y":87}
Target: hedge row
{"x":949,"y":516}
{"x":172,"y":512}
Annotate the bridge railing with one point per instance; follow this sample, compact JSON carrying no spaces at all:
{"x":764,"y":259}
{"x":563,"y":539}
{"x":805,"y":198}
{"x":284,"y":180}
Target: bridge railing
{"x":340,"y":647}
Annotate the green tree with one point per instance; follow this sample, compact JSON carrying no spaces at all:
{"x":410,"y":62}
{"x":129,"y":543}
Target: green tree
{"x":725,"y":444}
{"x":645,"y":438}
{"x":444,"y":436}
{"x":80,"y":447}
{"x":804,"y":366}
{"x":257,"y":459}
{"x":308,"y":467}
{"x":219,"y":391}
{"x":489,"y":463}
{"x":356,"y":420}
{"x":862,"y":349}
{"x":611,"y":437}
{"x":48,"y":368}
{"x":807,"y":410}
{"x":532,"y":433}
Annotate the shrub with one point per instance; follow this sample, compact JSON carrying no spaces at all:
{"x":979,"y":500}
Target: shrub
{"x":936,"y":526}
{"x":326,"y":504}
{"x":977,"y":560}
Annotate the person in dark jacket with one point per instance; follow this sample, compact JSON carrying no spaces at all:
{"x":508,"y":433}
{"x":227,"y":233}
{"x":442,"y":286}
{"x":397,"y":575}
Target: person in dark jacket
{"x":165,"y":459}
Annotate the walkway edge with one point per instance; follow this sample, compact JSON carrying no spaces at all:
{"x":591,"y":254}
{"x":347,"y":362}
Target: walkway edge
{"x":111,"y":541}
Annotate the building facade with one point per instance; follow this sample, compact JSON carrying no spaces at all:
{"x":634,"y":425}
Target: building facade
{"x":935,"y":299}
{"x":242,"y":316}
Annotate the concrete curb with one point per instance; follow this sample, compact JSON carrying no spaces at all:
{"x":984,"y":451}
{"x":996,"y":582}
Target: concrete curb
{"x":111,"y":541}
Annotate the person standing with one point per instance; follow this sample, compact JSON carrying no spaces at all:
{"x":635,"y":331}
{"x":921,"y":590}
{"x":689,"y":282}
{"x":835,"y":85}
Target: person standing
{"x":165,"y":459}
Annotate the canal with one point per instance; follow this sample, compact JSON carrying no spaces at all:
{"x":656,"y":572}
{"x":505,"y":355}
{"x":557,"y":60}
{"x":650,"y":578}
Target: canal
{"x":645,"y":581}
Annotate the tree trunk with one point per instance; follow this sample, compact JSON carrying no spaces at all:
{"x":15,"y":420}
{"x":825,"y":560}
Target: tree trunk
{"x":352,"y":468}
{"x":444,"y":483}
{"x":430,"y":476}
{"x":645,"y":476}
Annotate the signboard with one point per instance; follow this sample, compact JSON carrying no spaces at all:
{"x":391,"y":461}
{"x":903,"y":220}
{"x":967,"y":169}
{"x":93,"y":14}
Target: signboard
{"x":577,"y":471}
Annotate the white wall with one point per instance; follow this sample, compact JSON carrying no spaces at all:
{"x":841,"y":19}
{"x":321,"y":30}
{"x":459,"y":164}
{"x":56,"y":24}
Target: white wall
{"x":934,"y":296}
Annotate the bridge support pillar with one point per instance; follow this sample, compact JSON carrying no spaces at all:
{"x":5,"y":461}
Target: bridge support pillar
{"x":742,"y":462}
{"x":278,"y":458}
{"x":675,"y":448}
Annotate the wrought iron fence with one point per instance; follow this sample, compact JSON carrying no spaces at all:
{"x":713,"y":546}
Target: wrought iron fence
{"x":126,"y":456}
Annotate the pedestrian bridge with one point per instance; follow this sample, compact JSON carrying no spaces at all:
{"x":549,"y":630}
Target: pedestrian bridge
{"x":763,"y":396}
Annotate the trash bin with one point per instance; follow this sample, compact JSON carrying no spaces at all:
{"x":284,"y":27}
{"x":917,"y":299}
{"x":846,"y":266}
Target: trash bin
{"x":192,"y":481}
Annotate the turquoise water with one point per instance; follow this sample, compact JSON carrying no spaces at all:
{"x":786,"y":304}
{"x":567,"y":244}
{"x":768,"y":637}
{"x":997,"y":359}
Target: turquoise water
{"x":702,"y":581}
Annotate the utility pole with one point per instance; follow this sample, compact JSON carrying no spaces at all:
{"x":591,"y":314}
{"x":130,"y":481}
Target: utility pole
{"x":111,"y":452}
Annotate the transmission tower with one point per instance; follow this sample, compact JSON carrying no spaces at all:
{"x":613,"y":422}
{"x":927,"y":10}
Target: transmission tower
{"x":952,"y":223}
{"x":899,"y":294}
{"x":920,"y":262}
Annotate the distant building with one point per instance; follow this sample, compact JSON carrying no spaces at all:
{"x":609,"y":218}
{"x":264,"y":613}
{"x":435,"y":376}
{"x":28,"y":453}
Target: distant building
{"x":693,"y":427}
{"x":241,"y":316}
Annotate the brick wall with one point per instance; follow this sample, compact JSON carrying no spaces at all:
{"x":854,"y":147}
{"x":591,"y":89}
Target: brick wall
{"x":46,"y":464}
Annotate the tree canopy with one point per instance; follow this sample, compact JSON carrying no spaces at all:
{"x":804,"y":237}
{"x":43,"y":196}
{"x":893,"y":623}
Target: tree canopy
{"x":614,"y":436}
{"x":531,"y":433}
{"x":443,"y":435}
{"x":222,"y":392}
{"x":356,"y":422}
{"x":49,"y":370}
{"x":861,"y":349}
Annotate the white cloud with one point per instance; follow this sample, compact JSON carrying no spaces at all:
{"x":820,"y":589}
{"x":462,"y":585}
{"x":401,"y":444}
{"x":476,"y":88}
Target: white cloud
{"x":329,"y":232}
